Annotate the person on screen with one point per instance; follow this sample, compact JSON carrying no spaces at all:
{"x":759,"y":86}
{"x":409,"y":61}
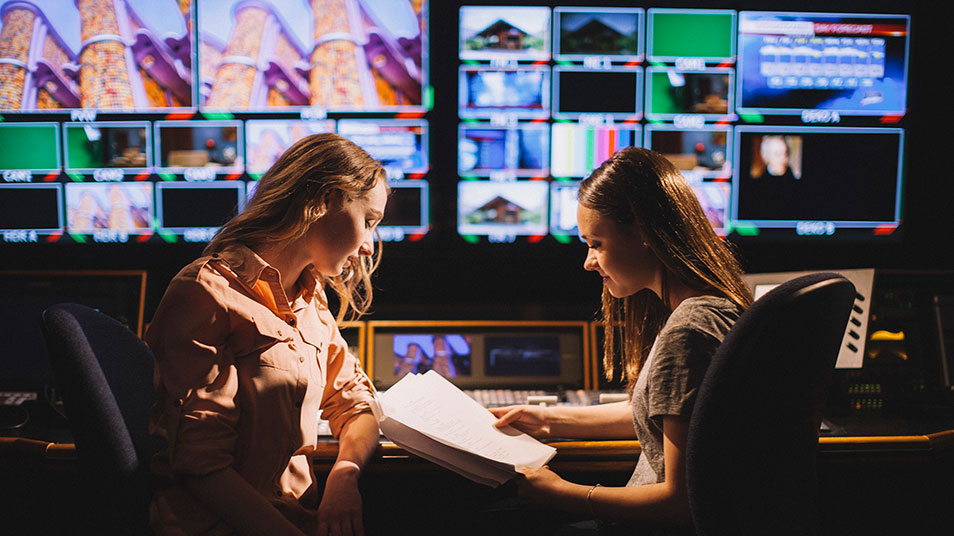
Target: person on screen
{"x":247,"y":352}
{"x":775,"y":156}
{"x":672,"y":289}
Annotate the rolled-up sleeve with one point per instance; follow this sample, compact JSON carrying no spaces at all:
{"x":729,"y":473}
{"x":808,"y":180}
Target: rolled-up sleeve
{"x":196,"y":378}
{"x":348,"y":389}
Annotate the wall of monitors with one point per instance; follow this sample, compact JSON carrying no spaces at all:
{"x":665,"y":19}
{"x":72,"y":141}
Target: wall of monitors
{"x":152,"y":120}
{"x":786,"y":124}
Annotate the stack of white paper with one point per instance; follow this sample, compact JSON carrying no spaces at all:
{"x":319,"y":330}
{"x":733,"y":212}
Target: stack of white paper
{"x":429,"y":416}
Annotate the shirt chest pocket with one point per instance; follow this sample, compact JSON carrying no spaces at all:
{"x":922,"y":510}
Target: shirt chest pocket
{"x":269,"y":341}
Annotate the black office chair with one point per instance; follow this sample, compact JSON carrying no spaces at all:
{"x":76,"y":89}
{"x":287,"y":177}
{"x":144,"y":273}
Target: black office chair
{"x":753,"y":436}
{"x":103,"y":372}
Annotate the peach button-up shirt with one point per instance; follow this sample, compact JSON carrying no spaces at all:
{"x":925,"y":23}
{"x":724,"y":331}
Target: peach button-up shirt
{"x":241,"y":372}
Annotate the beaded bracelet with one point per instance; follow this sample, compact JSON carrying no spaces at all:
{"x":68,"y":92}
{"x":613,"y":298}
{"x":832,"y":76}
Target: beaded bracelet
{"x":589,"y":505}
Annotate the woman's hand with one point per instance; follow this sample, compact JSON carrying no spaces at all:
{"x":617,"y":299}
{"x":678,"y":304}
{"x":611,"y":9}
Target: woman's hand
{"x":531,"y":420}
{"x":339,"y":513}
{"x":541,"y":486}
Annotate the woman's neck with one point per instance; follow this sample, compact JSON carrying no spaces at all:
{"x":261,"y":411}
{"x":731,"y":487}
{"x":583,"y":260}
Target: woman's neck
{"x":289,"y":261}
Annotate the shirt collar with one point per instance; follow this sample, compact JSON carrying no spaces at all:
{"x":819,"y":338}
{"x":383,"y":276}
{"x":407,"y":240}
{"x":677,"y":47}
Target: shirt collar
{"x":249,"y":267}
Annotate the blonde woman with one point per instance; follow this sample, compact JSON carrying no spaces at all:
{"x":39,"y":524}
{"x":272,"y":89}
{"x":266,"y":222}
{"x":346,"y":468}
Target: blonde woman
{"x":671,"y":291}
{"x":247,"y":352}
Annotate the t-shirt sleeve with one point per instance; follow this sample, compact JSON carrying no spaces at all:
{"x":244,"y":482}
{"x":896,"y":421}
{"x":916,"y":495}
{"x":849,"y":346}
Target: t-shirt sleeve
{"x":681,"y":359}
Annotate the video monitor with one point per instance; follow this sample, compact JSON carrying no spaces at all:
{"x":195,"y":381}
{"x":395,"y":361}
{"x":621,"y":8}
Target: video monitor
{"x":448,"y":355}
{"x":563,"y":205}
{"x":579,"y":148}
{"x":107,"y":150}
{"x":614,"y":94}
{"x":849,"y":64}
{"x":615,"y":34}
{"x":701,"y":152}
{"x":285,"y":55}
{"x":502,"y":208}
{"x":400,"y":145}
{"x":123,"y":56}
{"x":818,"y":180}
{"x":714,"y":199}
{"x":28,"y":211}
{"x":687,"y":37}
{"x":195,"y":210}
{"x":475,"y":355}
{"x":504,"y":33}
{"x":406,"y":213}
{"x":200,"y":150}
{"x":673,"y":93}
{"x":267,"y":139}
{"x":109,"y":211}
{"x":28,"y":149}
{"x":520,"y":150}
{"x":519,"y":92}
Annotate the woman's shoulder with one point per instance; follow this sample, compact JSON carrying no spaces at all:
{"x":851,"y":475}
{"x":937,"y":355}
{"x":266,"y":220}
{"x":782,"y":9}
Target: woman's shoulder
{"x":714,"y":314}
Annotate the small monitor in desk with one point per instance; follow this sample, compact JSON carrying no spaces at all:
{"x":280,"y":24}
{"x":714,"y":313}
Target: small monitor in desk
{"x":479,"y":356}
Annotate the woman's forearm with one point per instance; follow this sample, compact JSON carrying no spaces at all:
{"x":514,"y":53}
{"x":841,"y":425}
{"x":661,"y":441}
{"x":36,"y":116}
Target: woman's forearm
{"x":239,"y":504}
{"x":604,"y":421}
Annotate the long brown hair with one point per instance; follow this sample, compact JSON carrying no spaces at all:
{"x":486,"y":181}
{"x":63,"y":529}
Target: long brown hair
{"x":640,"y":187}
{"x":294,"y":193}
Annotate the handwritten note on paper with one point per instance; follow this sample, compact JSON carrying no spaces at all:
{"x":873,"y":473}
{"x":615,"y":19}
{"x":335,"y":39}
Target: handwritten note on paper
{"x":435,"y":407}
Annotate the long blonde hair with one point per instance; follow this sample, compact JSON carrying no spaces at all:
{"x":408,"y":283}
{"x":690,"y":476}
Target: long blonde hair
{"x":640,"y":187}
{"x":294,"y":193}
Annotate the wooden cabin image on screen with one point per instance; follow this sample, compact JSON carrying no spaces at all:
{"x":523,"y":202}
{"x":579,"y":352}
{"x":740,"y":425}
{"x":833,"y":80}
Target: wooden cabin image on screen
{"x":503,"y":35}
{"x":502,"y":210}
{"x":596,"y":37}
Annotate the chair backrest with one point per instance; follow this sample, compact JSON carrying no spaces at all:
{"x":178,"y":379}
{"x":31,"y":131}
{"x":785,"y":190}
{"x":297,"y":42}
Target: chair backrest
{"x":753,"y":436}
{"x":103,"y":372}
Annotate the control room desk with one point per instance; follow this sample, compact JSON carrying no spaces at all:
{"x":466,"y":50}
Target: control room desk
{"x":870,"y":484}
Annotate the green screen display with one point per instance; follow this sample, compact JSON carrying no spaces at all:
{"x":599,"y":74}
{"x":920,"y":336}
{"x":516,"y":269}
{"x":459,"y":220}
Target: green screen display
{"x":30,"y":147}
{"x":691,"y":35}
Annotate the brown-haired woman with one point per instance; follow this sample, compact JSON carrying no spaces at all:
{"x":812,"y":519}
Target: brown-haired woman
{"x":671,"y":290}
{"x":247,"y":352}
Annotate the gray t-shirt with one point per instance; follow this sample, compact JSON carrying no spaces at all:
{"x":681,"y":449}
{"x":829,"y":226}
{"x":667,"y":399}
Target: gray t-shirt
{"x":669,"y":379}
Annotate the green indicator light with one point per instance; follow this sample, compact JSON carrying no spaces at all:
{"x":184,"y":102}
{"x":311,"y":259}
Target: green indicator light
{"x":563,"y":179}
{"x":218,"y":115}
{"x":1,"y":118}
{"x":473,"y":239}
{"x":255,"y":176}
{"x":470,"y":121}
{"x":429,"y":98}
{"x":657,"y":64}
{"x":469,"y":178}
{"x":562,"y":238}
{"x":169,"y":237}
{"x":76,"y":177}
{"x":564,"y":62}
{"x":752,"y":118}
{"x":746,"y":229}
{"x":470,"y":62}
{"x":167,"y":176}
{"x":78,"y":238}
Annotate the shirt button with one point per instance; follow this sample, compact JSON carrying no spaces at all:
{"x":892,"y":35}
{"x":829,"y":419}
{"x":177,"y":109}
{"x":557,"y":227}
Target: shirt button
{"x":301,"y":359}
{"x":291,"y":322}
